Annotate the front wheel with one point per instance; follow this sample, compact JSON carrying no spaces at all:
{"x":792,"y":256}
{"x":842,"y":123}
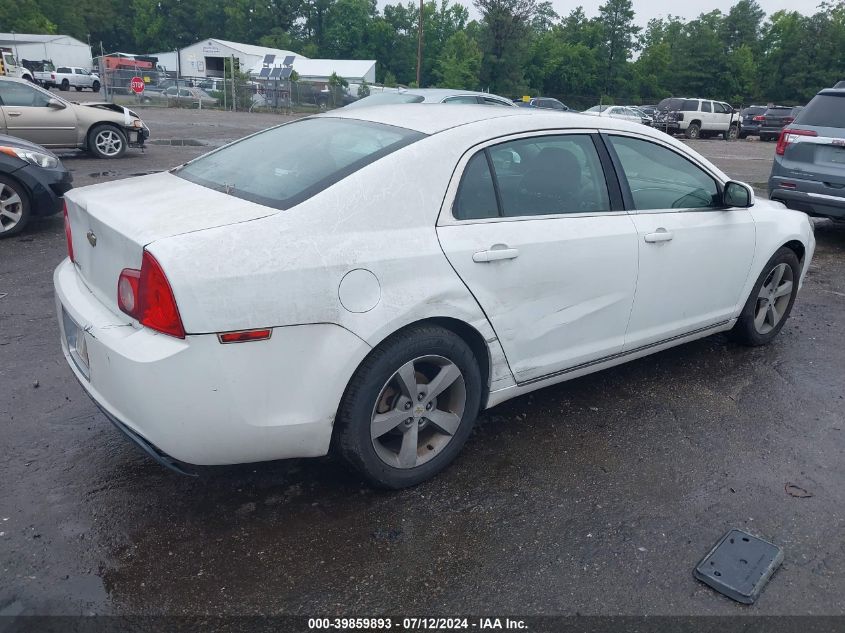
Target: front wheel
{"x":107,"y":141}
{"x":95,"y":87}
{"x":771,"y":300}
{"x":409,"y":408}
{"x":14,"y":207}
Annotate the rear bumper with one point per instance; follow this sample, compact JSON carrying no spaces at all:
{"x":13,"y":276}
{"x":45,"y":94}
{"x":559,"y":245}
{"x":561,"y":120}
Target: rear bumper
{"x":750,"y":129}
{"x":196,"y":401}
{"x":813,"y":198}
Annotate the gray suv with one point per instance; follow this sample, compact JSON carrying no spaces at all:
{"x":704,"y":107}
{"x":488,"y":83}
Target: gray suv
{"x":808,"y":173}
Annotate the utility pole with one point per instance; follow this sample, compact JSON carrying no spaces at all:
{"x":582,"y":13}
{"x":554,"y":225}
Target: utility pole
{"x":419,"y":46}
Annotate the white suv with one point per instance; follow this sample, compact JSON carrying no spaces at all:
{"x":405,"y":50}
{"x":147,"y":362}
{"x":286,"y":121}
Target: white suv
{"x":697,"y":118}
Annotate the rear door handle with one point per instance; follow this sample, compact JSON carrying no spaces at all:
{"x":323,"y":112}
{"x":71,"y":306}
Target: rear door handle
{"x":13,"y":113}
{"x":661,"y":235}
{"x":495,"y":254}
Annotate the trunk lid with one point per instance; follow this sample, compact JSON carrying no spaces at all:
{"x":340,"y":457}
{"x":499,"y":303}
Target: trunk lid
{"x":112,"y":222}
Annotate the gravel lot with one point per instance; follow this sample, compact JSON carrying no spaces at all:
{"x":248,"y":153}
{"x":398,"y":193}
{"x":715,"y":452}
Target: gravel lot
{"x":597,"y":496}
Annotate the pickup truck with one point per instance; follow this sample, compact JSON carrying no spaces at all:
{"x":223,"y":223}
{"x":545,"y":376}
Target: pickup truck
{"x":67,"y":77}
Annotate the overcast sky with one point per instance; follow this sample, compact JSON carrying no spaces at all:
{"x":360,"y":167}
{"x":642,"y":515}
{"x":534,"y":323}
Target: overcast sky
{"x":647,"y":9}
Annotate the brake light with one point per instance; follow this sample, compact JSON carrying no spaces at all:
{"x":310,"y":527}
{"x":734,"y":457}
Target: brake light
{"x":759,"y":117}
{"x":68,"y":233}
{"x":788,"y":136}
{"x":146,"y":295}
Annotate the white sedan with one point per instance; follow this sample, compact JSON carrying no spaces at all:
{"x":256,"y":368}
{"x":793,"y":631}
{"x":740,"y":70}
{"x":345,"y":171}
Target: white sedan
{"x":368,"y":280}
{"x":615,"y":112}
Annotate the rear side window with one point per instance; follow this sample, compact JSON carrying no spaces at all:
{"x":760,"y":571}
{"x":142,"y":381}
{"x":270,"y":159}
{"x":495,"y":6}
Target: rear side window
{"x":286,"y":165}
{"x":705,"y":106}
{"x":476,"y":197}
{"x":825,"y":110}
{"x":64,"y":69}
{"x":689,"y":105}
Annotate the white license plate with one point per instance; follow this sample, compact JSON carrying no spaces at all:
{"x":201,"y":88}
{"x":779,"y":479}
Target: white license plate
{"x":76,"y":343}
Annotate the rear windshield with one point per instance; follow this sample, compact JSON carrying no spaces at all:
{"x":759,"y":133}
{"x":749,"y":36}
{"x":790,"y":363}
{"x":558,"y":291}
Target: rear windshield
{"x":387,"y":98}
{"x":285,"y":165}
{"x":825,"y":110}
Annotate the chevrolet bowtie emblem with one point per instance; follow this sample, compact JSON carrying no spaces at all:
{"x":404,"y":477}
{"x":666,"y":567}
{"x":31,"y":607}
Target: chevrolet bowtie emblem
{"x":92,"y":239}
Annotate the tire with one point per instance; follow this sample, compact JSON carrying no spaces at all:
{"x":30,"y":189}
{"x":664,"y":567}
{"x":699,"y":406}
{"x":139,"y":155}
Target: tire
{"x":65,"y":85}
{"x":78,"y":88}
{"x":377,"y":384}
{"x":731,"y":133}
{"x":107,"y":141}
{"x":693,"y":131}
{"x":742,"y":136}
{"x":15,"y":207}
{"x":750,"y":329}
{"x":95,"y":87}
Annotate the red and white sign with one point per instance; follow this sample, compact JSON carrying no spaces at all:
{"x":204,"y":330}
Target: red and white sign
{"x":137,"y":85}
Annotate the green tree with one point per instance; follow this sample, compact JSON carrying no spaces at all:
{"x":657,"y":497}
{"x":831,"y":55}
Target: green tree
{"x":506,"y":38}
{"x":459,"y":63}
{"x":619,"y":34}
{"x":24,"y":16}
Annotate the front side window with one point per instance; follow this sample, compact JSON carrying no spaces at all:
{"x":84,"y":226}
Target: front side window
{"x":662,"y":179}
{"x":22,"y":95}
{"x":297,"y":160}
{"x":545,"y":175}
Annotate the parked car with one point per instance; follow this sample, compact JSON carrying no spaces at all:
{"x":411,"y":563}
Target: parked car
{"x":808,"y":172}
{"x":67,"y":77}
{"x":750,"y":121}
{"x":30,"y":112}
{"x":182,"y":96}
{"x":645,"y":118}
{"x":379,"y":320}
{"x":32,"y":183}
{"x":774,"y":119}
{"x":548,"y":103}
{"x":697,"y":118}
{"x":431,"y":95}
{"x":615,"y":112}
{"x":650,"y":110}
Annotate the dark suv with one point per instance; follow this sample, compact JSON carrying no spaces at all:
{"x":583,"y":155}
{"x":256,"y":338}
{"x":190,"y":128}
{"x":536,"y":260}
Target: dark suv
{"x":774,"y":119}
{"x":548,"y":103}
{"x":808,"y":173}
{"x":750,"y":121}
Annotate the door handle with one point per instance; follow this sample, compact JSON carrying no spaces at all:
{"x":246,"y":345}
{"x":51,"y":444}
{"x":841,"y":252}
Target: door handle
{"x":13,"y":113}
{"x":495,"y":254}
{"x":661,"y":235}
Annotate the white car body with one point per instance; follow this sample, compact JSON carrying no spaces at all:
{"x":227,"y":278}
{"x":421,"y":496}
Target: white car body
{"x":337,"y":274}
{"x":623,"y":113}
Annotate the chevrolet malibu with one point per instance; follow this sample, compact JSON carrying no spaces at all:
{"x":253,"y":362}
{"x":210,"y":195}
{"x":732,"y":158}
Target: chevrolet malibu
{"x":366,"y":281}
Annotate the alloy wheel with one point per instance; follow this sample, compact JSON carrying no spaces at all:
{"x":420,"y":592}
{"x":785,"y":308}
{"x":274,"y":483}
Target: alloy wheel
{"x":773,"y":298}
{"x":11,"y":208}
{"x":108,"y":143}
{"x":418,"y":411}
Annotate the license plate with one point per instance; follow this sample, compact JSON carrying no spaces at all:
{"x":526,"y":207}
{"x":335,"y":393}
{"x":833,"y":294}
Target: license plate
{"x":76,"y":343}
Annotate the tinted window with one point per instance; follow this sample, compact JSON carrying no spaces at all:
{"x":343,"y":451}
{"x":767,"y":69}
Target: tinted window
{"x":720,"y":108}
{"x":491,"y":101}
{"x":689,"y":105}
{"x":705,"y":106}
{"x":297,"y":160}
{"x":476,"y":197}
{"x":22,"y":95}
{"x":63,"y":69}
{"x":661,"y":179}
{"x":825,"y":110}
{"x":461,"y":99}
{"x":549,"y":175}
{"x":670,"y":104}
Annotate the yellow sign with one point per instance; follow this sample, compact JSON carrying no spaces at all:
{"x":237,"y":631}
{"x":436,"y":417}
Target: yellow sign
{"x":526,"y":99}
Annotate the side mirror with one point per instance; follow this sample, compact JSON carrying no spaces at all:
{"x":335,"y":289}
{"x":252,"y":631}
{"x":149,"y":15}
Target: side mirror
{"x":55,"y":103}
{"x":738,"y":195}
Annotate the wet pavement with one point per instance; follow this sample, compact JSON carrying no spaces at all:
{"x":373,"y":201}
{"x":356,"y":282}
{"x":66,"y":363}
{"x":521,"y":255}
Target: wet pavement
{"x":597,"y":496}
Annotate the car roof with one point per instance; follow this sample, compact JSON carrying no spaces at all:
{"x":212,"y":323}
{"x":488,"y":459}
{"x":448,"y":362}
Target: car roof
{"x":432,"y":118}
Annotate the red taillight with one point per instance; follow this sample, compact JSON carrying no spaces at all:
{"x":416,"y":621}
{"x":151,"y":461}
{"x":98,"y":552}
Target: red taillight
{"x":68,"y":233}
{"x":146,"y":295}
{"x":787,"y":136}
{"x":759,"y":117}
{"x":244,"y":336}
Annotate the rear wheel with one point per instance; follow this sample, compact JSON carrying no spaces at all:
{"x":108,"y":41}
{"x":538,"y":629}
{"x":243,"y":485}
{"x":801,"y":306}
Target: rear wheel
{"x":409,"y":408}
{"x":771,"y":300}
{"x":14,"y":207}
{"x":65,"y":85}
{"x":731,"y":134}
{"x":107,"y":141}
{"x":693,"y":131}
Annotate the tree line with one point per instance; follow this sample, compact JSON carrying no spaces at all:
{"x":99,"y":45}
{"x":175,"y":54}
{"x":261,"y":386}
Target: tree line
{"x":514,"y":47}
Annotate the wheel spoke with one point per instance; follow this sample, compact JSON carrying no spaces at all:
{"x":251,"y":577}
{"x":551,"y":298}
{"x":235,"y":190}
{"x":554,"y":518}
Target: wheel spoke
{"x":384,"y":422}
{"x":12,"y":199}
{"x":446,"y":421}
{"x":784,"y":289}
{"x":408,"y":452}
{"x":773,"y":315}
{"x":777,"y":276}
{"x":407,"y":379}
{"x":760,"y":317}
{"x":447,"y":375}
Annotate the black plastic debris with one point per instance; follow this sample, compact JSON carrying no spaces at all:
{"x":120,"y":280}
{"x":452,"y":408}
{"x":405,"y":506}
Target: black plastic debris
{"x":739,"y":566}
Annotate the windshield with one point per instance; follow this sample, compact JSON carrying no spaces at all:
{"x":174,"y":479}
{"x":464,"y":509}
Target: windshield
{"x":825,"y":110}
{"x":285,"y":165}
{"x":385,"y":98}
{"x":598,"y":108}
